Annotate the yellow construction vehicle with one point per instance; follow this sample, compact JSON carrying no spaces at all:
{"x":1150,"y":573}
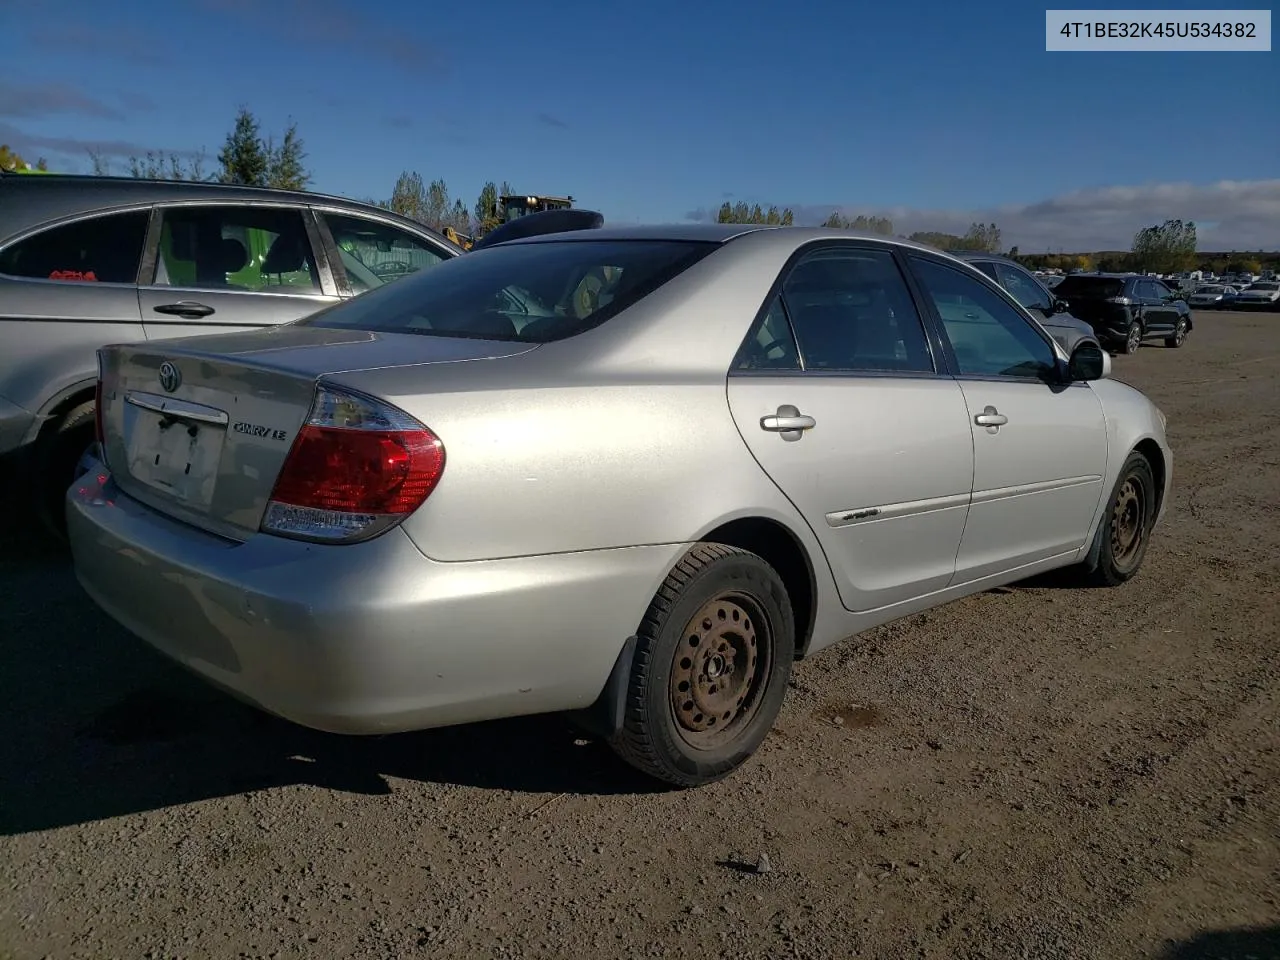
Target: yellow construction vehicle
{"x":461,"y":239}
{"x":509,"y":208}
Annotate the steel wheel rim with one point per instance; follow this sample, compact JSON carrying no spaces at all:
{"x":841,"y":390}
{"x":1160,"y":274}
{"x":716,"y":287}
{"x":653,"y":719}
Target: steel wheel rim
{"x":719,"y":670}
{"x":1128,"y":522}
{"x":1135,"y":338}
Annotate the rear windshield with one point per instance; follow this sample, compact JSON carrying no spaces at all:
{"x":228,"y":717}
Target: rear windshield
{"x":1211,"y":288}
{"x":1264,"y":286}
{"x":526,"y":292}
{"x":1089,"y":288}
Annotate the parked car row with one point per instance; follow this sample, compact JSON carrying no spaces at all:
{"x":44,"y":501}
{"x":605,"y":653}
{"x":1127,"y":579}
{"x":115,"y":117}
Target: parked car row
{"x":628,"y":474}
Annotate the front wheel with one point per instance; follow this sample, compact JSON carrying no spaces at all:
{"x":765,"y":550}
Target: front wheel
{"x":1179,"y":334}
{"x":1125,"y":528}
{"x":711,"y":666}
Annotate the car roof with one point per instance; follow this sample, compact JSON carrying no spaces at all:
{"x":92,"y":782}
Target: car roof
{"x":30,"y":201}
{"x":983,"y":255}
{"x":722,"y":233}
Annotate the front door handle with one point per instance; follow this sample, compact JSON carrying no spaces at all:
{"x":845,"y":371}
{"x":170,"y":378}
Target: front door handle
{"x":187,"y":309}
{"x":991,"y":417}
{"x":789,"y":422}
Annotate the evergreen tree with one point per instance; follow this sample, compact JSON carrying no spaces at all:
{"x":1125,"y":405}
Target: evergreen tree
{"x":244,"y":156}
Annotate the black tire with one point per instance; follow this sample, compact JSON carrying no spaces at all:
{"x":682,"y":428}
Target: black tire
{"x":1180,"y":331}
{"x":1133,"y":339}
{"x":729,"y":611}
{"x":57,"y":453}
{"x":1119,"y":559}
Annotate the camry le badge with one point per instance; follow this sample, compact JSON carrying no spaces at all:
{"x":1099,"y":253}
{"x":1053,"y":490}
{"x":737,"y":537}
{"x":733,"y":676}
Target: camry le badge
{"x":170,"y":378}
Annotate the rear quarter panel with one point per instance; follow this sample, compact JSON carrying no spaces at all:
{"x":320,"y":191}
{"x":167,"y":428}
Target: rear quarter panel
{"x":567,"y":467}
{"x":50,"y":333}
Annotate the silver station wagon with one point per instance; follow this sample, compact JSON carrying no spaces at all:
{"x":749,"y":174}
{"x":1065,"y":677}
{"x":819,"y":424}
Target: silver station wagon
{"x":628,"y":474}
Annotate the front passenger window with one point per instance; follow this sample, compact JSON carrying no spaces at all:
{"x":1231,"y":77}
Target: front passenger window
{"x":373,"y":253}
{"x":988,"y":336}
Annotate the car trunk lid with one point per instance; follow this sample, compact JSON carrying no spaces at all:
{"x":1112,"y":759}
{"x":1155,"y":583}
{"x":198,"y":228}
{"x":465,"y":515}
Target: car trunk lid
{"x":199,"y":428}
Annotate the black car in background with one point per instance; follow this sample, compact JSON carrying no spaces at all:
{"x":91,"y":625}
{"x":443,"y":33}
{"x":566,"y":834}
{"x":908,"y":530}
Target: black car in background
{"x":1041,"y":302}
{"x":1126,"y":309}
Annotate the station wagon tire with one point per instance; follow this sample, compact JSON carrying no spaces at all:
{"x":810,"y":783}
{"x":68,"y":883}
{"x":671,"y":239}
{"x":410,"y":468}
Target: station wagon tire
{"x":56,"y":456}
{"x":1179,"y":334}
{"x":1133,"y":338}
{"x":1125,"y":528}
{"x":712,"y":661}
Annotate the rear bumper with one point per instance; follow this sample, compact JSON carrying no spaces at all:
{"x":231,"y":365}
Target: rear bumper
{"x":366,"y":638}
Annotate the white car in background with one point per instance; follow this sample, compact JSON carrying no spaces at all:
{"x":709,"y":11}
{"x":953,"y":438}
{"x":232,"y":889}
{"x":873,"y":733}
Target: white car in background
{"x":1263,"y":294}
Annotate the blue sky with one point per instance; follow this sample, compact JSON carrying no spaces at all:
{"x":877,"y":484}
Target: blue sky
{"x":933,"y":111}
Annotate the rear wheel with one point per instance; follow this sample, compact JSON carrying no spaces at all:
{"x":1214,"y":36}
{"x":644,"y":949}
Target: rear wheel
{"x":1179,"y":334}
{"x":56,"y":456}
{"x":1125,"y":529}
{"x":1133,"y":337}
{"x":711,"y":666}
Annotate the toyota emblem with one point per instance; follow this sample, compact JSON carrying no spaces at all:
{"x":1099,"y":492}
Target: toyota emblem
{"x":170,"y":378}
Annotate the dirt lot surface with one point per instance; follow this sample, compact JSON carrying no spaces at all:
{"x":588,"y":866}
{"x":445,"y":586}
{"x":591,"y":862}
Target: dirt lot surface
{"x":1034,"y":772}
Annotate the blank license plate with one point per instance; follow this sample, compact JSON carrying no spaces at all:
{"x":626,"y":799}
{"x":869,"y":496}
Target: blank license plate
{"x":181,"y":459}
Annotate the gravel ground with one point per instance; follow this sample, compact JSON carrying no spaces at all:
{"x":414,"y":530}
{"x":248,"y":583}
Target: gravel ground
{"x":1034,"y":772}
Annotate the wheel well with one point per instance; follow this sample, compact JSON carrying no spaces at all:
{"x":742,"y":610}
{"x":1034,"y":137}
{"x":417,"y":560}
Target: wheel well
{"x":778,"y":547}
{"x":1155,"y":456}
{"x":60,"y":410}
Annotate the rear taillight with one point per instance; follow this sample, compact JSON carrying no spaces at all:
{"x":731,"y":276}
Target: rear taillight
{"x":357,"y":467}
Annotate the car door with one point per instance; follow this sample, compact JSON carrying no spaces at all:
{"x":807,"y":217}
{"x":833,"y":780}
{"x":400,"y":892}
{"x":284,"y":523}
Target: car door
{"x":215,"y":267}
{"x":368,"y":252}
{"x":838,"y":397}
{"x":1158,"y":312}
{"x":65,"y":290}
{"x":1039,"y":444}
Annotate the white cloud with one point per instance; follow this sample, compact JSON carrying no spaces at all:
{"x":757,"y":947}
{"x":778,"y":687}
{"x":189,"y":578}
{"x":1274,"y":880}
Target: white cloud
{"x":1229,"y":214}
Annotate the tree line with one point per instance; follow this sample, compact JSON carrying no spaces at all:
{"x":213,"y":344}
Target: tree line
{"x":249,"y":157}
{"x":980,"y":236}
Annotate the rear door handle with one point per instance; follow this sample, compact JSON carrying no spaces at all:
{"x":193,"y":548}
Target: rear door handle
{"x":789,"y":422}
{"x":991,"y":417}
{"x":187,"y":309}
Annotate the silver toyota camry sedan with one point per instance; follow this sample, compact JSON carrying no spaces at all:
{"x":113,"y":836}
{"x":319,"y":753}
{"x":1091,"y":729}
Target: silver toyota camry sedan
{"x":630,"y":474}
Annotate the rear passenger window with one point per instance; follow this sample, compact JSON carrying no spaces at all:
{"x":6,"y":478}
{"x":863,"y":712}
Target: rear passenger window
{"x":260,"y":249}
{"x":851,"y":311}
{"x":770,"y":345}
{"x":96,"y":250}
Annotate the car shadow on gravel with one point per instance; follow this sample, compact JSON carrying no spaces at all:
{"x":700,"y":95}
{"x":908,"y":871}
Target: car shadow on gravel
{"x":98,"y":725}
{"x":1259,"y":943}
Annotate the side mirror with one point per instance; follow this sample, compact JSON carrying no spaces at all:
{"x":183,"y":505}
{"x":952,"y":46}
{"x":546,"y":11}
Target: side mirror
{"x":1089,"y":362}
{"x":1059,"y":306}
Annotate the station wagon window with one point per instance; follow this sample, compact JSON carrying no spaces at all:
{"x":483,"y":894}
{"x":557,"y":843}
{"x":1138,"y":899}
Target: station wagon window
{"x":1023,"y":287}
{"x":104,"y":249}
{"x":988,"y":336}
{"x":851,"y":311}
{"x":987,"y":267}
{"x":374,"y":253}
{"x":258,"y":249}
